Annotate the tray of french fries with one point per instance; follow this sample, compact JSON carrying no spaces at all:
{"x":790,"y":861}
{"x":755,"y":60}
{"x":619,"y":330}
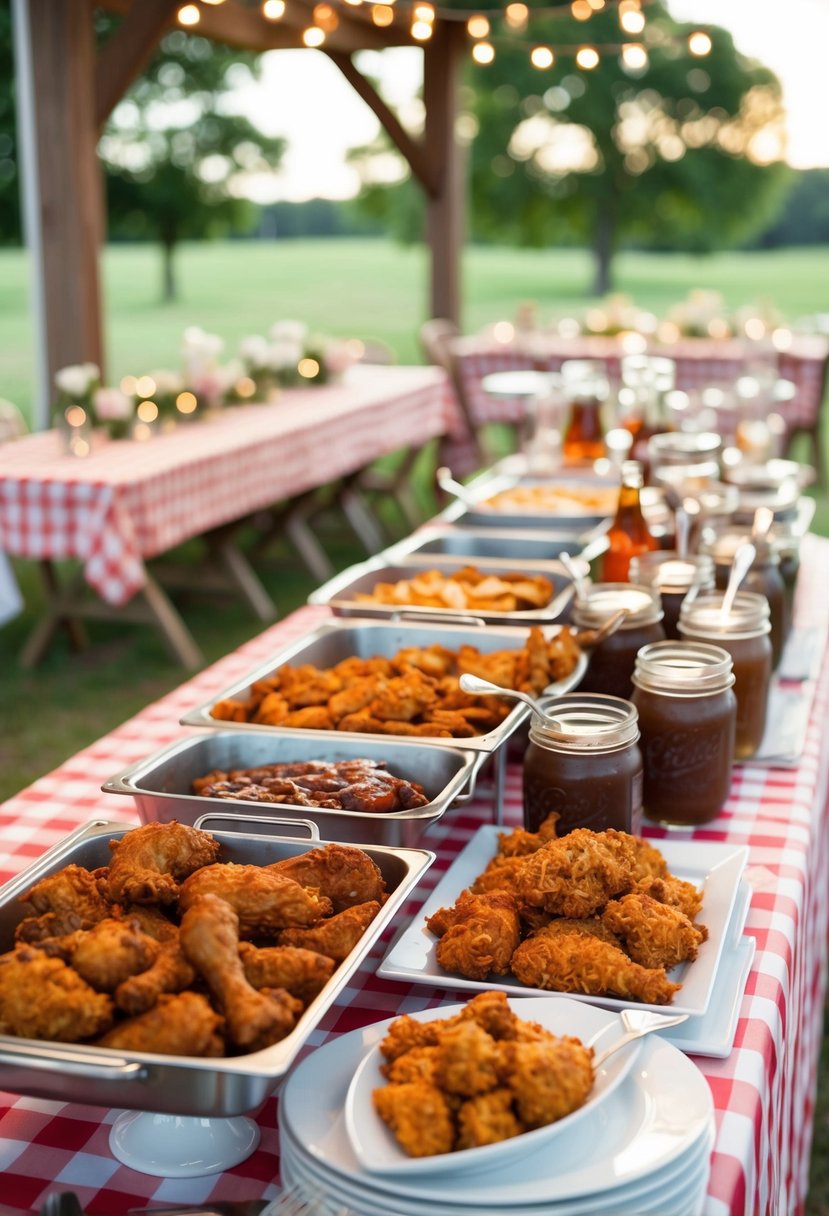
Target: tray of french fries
{"x":419,"y":587}
{"x":364,"y":678}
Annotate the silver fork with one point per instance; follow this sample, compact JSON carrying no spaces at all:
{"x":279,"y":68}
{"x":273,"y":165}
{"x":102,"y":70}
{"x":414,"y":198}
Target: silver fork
{"x":638,"y":1022}
{"x":299,"y":1201}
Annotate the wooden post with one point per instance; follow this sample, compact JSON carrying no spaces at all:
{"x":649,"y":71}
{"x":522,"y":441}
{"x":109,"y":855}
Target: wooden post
{"x":445,"y":208}
{"x":69,"y":211}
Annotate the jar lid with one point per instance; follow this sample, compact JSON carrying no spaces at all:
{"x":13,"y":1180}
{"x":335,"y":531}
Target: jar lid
{"x":723,"y":545}
{"x":680,"y":445}
{"x":585,"y":722}
{"x":748,"y":617}
{"x":667,"y":571}
{"x":683,"y":669}
{"x":719,"y":499}
{"x":643,"y":605}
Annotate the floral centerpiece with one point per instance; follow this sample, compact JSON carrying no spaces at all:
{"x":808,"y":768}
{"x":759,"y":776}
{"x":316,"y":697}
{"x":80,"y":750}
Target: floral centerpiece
{"x":83,"y":402}
{"x":291,"y":355}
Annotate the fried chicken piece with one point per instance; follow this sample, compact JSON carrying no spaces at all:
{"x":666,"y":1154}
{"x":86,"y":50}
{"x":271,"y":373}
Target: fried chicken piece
{"x":346,"y":875}
{"x":231,"y":710}
{"x":310,"y":717}
{"x":653,"y":934}
{"x":419,"y":1116}
{"x":44,"y":998}
{"x":273,"y":709}
{"x":170,"y":972}
{"x":562,"y":957}
{"x":647,"y":860}
{"x":303,"y":973}
{"x":152,"y":921}
{"x":482,"y":931}
{"x":264,"y":900}
{"x":112,"y":951}
{"x":149,"y":862}
{"x":548,"y":1079}
{"x":520,"y":842}
{"x":335,"y":937}
{"x":492,"y":1013}
{"x":68,"y":900}
{"x":576,"y":875}
{"x":487,"y":1119}
{"x":406,"y":1034}
{"x":563,"y":653}
{"x":404,"y":698}
{"x":500,"y":875}
{"x":466,"y":1060}
{"x":210,"y":941}
{"x":181,"y":1025}
{"x":417,"y":1064}
{"x":673,"y":891}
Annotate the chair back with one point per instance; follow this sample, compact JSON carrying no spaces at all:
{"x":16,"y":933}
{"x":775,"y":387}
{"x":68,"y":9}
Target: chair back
{"x":435,"y":341}
{"x":12,"y":422}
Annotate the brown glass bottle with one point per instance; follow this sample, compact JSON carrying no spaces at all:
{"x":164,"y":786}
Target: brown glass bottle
{"x":687,"y":721}
{"x":744,"y":633}
{"x":612,"y":661}
{"x":585,"y":389}
{"x":584,"y":765}
{"x":629,"y":534}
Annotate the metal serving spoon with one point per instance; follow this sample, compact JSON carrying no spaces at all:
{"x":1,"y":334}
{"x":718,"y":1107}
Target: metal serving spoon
{"x":744,"y":555}
{"x":579,"y":581}
{"x":447,"y":482}
{"x":637,"y":1023}
{"x":483,"y":688}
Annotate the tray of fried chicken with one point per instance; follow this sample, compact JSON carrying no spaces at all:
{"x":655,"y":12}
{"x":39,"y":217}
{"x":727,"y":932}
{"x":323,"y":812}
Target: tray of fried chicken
{"x":609,"y":917}
{"x":173,"y":969}
{"x":364,"y":677}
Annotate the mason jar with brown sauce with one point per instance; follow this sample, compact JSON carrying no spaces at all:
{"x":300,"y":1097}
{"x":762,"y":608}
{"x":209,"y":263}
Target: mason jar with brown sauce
{"x":673,"y":577}
{"x":583,"y":764}
{"x":687,"y":722}
{"x":611,"y":663}
{"x":745,"y":634}
{"x":763,"y":577}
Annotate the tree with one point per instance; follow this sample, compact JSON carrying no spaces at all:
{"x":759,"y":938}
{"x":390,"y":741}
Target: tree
{"x":176,"y":156}
{"x":683,"y":152}
{"x":9,"y":184}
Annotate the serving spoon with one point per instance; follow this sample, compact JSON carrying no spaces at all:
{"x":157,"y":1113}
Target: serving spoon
{"x":478,"y":687}
{"x":447,"y":482}
{"x":579,"y":581}
{"x":744,"y":555}
{"x":637,"y":1023}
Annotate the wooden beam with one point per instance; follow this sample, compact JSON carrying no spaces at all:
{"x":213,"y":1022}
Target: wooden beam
{"x":128,"y":50}
{"x":69,"y":212}
{"x":413,"y":151}
{"x":445,"y":209}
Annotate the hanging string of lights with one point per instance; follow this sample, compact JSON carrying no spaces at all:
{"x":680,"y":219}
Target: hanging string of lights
{"x":512,"y":19}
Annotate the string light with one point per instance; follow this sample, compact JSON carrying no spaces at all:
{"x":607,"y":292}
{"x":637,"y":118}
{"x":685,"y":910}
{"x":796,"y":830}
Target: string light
{"x":542,"y":57}
{"x":587,"y":57}
{"x":421,"y":31}
{"x":147,"y":411}
{"x":187,"y":403}
{"x":325,"y":17}
{"x":478,"y":26}
{"x":313,"y":36}
{"x":634,"y":56}
{"x":581,"y":10}
{"x":382,"y":14}
{"x":517,"y":16}
{"x":699,"y":43}
{"x":188,"y":14}
{"x":483,"y":52}
{"x":273,"y":10}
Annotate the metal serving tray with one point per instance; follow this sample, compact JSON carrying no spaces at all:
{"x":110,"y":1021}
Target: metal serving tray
{"x":162,"y":784}
{"x":474,"y":512}
{"x":182,"y":1085}
{"x":497,"y":546}
{"x":335,"y":640}
{"x":340,"y":593}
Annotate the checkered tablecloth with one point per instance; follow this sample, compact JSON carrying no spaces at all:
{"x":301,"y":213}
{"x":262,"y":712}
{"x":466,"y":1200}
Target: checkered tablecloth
{"x":699,"y":362}
{"x":763,"y":1092}
{"x":129,"y":501}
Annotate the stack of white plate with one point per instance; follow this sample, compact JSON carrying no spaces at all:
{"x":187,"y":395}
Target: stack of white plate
{"x":644,"y":1149}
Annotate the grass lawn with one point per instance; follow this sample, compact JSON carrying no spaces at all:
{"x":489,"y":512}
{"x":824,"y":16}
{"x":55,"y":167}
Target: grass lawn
{"x":370,"y":289}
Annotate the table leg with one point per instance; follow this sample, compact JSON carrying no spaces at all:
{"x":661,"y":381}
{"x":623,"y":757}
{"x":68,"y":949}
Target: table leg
{"x":240,"y":573}
{"x":58,"y":613}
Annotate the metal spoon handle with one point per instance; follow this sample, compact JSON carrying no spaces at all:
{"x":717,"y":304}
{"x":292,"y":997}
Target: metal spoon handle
{"x":579,"y":581}
{"x":744,"y":555}
{"x":477,"y":686}
{"x":447,"y":482}
{"x":638,"y":1033}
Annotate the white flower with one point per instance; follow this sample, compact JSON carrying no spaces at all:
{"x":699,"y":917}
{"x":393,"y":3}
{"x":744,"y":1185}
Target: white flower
{"x":77,"y":380}
{"x":290,"y":331}
{"x":167,"y":382}
{"x":284,"y":354}
{"x":111,"y":405}
{"x":230,"y":372}
{"x":254,"y":351}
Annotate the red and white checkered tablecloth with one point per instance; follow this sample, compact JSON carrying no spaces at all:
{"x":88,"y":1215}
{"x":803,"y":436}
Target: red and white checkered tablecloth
{"x":763,"y":1092}
{"x":699,"y":362}
{"x":128,"y":501}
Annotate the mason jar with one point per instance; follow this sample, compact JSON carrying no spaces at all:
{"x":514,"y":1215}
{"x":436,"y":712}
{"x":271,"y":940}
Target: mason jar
{"x":763,"y":577}
{"x":745,"y":633}
{"x":683,"y":692}
{"x":611,"y":663}
{"x":673,"y":577}
{"x":582,"y":763}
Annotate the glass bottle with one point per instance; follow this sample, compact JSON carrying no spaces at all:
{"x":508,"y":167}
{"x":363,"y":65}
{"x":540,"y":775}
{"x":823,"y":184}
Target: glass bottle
{"x":687,"y":721}
{"x":629,"y":533}
{"x":673,"y":576}
{"x":744,"y":633}
{"x":586,"y":389}
{"x":645,"y":382}
{"x":612,"y":661}
{"x":583,"y":763}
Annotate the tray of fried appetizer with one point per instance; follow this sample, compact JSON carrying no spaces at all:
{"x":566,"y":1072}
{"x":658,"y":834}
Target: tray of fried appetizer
{"x":497,"y":595}
{"x":606,"y":917}
{"x":501,"y":497}
{"x":443,"y":543}
{"x":397,"y":679}
{"x":175,"y":969}
{"x":355,"y":790}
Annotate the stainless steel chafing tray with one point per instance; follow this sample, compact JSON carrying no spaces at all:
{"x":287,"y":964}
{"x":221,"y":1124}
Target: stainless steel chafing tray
{"x":335,"y":640}
{"x":498,"y":546}
{"x":340,"y":593}
{"x":162,"y":784}
{"x":182,"y":1085}
{"x":475,"y":513}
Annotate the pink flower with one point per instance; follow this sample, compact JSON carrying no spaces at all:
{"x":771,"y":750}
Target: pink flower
{"x":111,"y":405}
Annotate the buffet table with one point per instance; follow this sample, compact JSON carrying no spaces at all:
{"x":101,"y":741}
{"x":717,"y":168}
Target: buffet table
{"x":129,"y":501}
{"x":763,"y":1090}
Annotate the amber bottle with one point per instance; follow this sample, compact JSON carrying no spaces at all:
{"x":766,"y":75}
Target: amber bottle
{"x":628,"y":535}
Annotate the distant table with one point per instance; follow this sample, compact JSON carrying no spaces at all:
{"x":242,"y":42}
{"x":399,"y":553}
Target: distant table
{"x":763,"y":1091}
{"x":699,"y":362}
{"x":129,"y":501}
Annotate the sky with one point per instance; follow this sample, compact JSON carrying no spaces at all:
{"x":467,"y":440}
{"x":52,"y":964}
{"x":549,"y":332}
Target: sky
{"x":303,"y":97}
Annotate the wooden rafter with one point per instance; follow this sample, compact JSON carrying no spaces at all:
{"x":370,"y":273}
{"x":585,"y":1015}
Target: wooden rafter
{"x":128,"y":50}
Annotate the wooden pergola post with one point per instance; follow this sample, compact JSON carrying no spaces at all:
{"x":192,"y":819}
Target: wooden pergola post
{"x":446,"y":202}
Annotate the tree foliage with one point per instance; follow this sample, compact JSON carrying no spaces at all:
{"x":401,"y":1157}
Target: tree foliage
{"x":9,"y":180}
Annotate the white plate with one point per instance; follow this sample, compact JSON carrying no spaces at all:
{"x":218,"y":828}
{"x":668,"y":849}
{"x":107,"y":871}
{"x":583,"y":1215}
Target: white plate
{"x":655,"y":1120}
{"x":715,"y":867}
{"x":520,"y":383}
{"x":713,"y":1033}
{"x":379,"y":1152}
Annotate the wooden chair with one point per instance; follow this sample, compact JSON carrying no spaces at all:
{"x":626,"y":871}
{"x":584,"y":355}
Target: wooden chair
{"x":12,"y":422}
{"x":436,"y":338}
